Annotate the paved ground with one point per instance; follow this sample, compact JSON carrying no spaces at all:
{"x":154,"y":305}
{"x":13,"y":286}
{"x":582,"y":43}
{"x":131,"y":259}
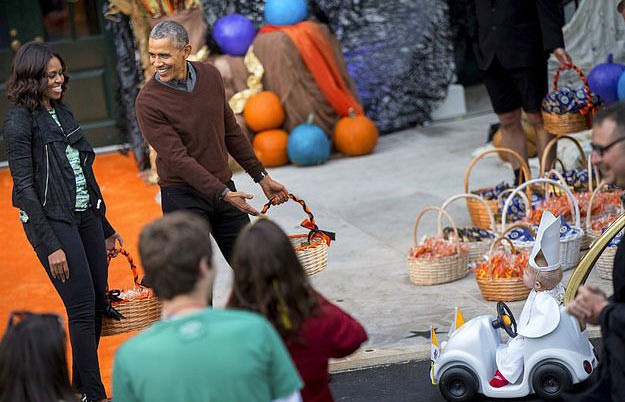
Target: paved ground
{"x":371,"y":203}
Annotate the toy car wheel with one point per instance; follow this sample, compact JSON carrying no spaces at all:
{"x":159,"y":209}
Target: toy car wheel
{"x":458,"y":384}
{"x":551,"y":380}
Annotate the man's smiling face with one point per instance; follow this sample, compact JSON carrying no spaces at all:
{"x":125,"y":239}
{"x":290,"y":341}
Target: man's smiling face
{"x":168,"y":60}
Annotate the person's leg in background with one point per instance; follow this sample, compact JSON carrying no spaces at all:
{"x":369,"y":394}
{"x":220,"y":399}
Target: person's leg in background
{"x":532,"y":84}
{"x":78,"y":296}
{"x":506,"y":101}
{"x":513,"y":136}
{"x":542,"y":138}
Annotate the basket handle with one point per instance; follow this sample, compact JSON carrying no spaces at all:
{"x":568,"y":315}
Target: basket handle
{"x":592,"y":168}
{"x":309,"y":223}
{"x":551,"y":144}
{"x":586,"y":109}
{"x":526,"y":201}
{"x":574,"y":207}
{"x":441,"y":211}
{"x":499,"y":240}
{"x":133,"y":268}
{"x":453,"y":198}
{"x":524,"y":169}
{"x":600,"y":187}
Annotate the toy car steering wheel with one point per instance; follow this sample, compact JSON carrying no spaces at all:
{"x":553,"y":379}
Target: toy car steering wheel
{"x":505,"y":320}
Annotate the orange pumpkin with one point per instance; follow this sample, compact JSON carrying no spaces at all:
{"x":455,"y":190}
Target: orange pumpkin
{"x":355,"y":135}
{"x":271,"y":147}
{"x":263,"y":111}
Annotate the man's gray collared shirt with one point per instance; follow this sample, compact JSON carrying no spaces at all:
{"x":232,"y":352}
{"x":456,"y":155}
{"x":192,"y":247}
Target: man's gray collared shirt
{"x":186,"y":85}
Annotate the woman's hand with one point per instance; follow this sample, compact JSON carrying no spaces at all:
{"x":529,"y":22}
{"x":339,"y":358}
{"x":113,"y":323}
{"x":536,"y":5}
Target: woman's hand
{"x":58,"y":265}
{"x":110,"y":242}
{"x":563,"y":58}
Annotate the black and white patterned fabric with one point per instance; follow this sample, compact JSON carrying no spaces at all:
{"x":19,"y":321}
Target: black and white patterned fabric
{"x":399,"y":53}
{"x":129,"y":76}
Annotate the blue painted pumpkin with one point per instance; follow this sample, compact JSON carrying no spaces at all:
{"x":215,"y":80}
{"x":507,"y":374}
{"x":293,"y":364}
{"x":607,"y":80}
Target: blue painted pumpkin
{"x":234,"y":34}
{"x":308,"y":145}
{"x":620,"y":87}
{"x":603,"y":80}
{"x":285,"y":12}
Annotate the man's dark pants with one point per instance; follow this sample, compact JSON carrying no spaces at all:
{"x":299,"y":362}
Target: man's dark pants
{"x":225,"y":220}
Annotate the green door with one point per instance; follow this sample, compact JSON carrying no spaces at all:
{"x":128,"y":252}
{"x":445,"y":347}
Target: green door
{"x":74,"y":29}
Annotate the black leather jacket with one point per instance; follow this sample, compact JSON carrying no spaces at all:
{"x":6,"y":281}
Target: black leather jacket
{"x":44,"y":185}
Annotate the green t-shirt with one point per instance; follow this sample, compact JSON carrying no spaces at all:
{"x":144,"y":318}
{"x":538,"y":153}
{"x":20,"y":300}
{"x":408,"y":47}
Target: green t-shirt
{"x":82,"y":195}
{"x":211,"y":355}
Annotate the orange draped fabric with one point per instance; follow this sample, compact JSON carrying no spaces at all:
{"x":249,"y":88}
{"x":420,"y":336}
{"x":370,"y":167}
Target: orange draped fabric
{"x":317,"y":53}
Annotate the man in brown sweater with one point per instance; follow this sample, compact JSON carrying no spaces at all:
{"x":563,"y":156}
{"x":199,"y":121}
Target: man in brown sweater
{"x":184,"y":115}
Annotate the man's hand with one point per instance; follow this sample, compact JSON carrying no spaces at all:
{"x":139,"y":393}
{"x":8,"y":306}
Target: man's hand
{"x":275,"y":192}
{"x":563,"y":57}
{"x":238,"y":199}
{"x":58,"y":265}
{"x":588,"y":304}
{"x":110,"y":242}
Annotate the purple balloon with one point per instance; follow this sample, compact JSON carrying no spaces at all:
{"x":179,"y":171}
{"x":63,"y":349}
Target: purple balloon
{"x":234,"y":34}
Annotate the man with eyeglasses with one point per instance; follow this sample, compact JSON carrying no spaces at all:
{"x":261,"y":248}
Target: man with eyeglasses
{"x":591,"y":305}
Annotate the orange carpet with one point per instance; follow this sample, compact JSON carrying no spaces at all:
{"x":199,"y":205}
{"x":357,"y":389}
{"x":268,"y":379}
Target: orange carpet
{"x":23,"y":282}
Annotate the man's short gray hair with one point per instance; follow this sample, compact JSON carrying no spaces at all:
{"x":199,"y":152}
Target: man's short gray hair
{"x":614,"y":112}
{"x":171,"y":29}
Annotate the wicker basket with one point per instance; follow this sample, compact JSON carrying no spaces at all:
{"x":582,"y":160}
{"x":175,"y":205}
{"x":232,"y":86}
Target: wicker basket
{"x":605,"y":263}
{"x":137,"y":313}
{"x":434,"y":271}
{"x":502,"y":289}
{"x":567,"y":123}
{"x":477,"y":249}
{"x":479,"y":214}
{"x":311,"y":248}
{"x":569,"y":247}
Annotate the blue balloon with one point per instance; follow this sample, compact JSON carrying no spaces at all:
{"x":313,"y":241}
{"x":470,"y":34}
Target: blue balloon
{"x":620,"y":87}
{"x":603,"y":80}
{"x":234,"y":33}
{"x":308,"y":145}
{"x":285,"y":12}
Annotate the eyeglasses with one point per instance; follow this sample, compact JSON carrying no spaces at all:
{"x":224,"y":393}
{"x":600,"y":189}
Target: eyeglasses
{"x":602,"y":149}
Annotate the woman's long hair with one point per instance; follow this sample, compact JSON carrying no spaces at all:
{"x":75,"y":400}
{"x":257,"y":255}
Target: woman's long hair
{"x":29,"y":79}
{"x":269,"y":279}
{"x":33,"y":364}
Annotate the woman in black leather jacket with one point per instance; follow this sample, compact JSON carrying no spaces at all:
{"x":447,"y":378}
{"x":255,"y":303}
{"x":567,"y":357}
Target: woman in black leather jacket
{"x":60,"y":202}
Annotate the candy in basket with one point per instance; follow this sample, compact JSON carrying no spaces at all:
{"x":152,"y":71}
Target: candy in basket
{"x":478,"y":212}
{"x":568,"y":110}
{"x":476,"y":239}
{"x":500,"y":275}
{"x":570,"y":242}
{"x":434,"y":259}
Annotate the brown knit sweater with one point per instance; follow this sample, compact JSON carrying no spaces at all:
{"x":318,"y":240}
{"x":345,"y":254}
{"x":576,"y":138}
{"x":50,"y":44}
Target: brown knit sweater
{"x":193,"y":132}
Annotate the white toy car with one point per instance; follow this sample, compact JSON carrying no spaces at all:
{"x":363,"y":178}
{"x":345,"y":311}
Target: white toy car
{"x":552,"y":363}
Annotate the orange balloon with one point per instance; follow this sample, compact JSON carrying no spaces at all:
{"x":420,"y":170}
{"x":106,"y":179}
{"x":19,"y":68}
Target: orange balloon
{"x":355,"y":135}
{"x":270,"y":147}
{"x":263,"y":111}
